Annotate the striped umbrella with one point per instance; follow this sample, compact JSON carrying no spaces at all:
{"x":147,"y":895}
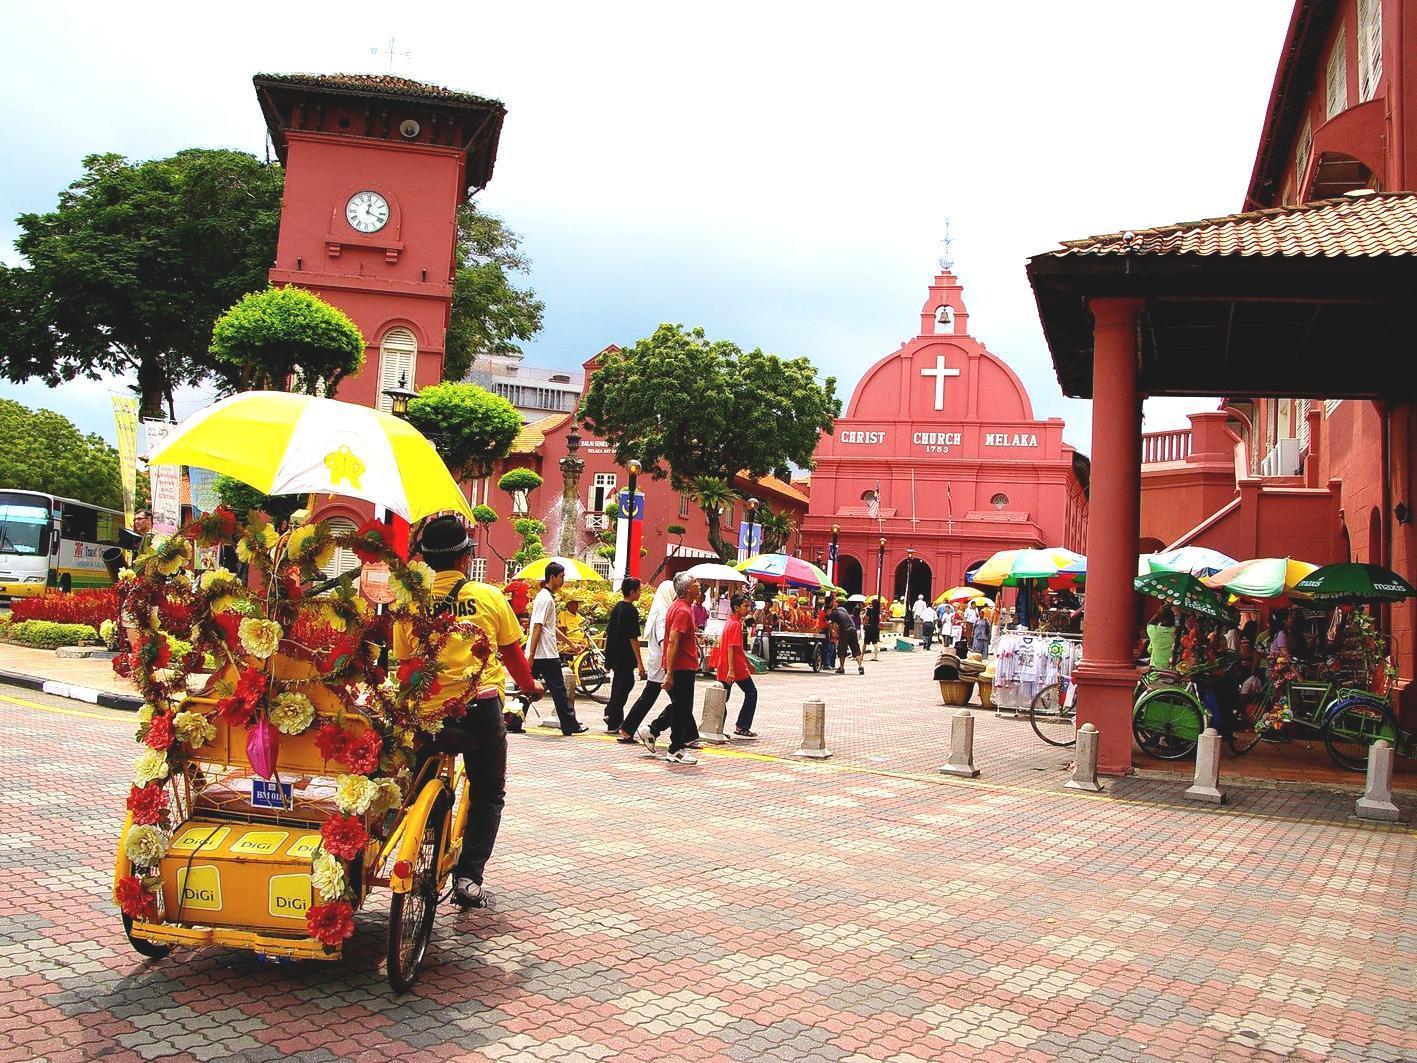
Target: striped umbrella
{"x":1262,"y":577}
{"x":786,"y":569}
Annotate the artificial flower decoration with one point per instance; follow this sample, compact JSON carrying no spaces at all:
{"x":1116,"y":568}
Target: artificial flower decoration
{"x":160,"y":733}
{"x":330,"y":923}
{"x":374,"y":540}
{"x":344,"y":836}
{"x":144,"y":845}
{"x":292,"y":712}
{"x":354,"y":794}
{"x":135,"y":899}
{"x":150,"y":766}
{"x":148,"y":804}
{"x":194,"y":729}
{"x":260,"y":638}
{"x":332,"y":742}
{"x":362,"y":755}
{"x":327,"y":876}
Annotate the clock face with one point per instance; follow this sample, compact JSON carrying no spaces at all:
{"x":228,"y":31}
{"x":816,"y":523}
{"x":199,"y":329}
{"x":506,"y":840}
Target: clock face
{"x":367,"y":212}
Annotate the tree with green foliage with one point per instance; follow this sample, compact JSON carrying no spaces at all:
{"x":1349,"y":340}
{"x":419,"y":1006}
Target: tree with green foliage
{"x":777,"y":530}
{"x":532,"y":548}
{"x":281,"y":338}
{"x":519,"y":483}
{"x":127,"y":273}
{"x":43,"y":451}
{"x":490,"y":313}
{"x":241,"y":498}
{"x":707,"y":409}
{"x":469,"y":425}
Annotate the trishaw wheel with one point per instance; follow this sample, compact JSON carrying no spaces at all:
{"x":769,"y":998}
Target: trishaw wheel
{"x":150,"y":949}
{"x":1167,"y":723}
{"x":590,"y":672}
{"x":1352,"y":726}
{"x":411,"y":914}
{"x":1245,"y":731}
{"x":1053,"y":721}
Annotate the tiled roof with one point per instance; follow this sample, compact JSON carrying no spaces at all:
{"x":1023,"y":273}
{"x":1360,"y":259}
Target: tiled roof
{"x":1364,"y":226}
{"x":532,"y":435}
{"x":380,"y":85}
{"x":772,"y":485}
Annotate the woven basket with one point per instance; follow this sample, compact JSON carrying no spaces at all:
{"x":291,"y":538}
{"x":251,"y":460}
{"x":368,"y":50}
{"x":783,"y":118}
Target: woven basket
{"x":955,"y":692}
{"x":986,"y":693}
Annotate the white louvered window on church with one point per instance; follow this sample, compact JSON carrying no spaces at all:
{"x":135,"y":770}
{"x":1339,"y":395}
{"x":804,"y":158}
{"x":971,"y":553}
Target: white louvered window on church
{"x":1306,"y":143}
{"x":1336,"y":89}
{"x":1369,"y":41}
{"x":343,"y":559}
{"x":397,"y":354}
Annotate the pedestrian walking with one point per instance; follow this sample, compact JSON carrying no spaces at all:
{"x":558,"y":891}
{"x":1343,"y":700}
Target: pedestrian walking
{"x":847,"y":643}
{"x":872,"y":628}
{"x":733,"y":667}
{"x":654,"y":668}
{"x":541,"y":647}
{"x":681,"y":653}
{"x":622,"y":652}
{"x":824,"y":627}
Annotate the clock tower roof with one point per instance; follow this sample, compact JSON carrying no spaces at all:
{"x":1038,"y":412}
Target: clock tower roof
{"x":383,"y":107}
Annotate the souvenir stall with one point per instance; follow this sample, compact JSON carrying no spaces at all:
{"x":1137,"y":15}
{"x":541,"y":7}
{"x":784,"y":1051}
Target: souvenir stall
{"x":792,"y":637}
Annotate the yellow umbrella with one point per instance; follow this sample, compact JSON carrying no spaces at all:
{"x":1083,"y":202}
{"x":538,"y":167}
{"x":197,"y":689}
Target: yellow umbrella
{"x":575,"y":570}
{"x":284,"y":444}
{"x":958,"y":594}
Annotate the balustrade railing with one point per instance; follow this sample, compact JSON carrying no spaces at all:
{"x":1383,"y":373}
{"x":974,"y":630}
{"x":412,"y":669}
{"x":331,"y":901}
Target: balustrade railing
{"x":1158,"y":447}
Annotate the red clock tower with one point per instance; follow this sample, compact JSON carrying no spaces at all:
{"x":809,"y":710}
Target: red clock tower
{"x":375,"y":169}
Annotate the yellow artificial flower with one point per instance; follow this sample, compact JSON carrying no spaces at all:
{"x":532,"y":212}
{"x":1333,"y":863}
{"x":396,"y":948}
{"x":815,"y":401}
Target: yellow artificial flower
{"x":259,"y":638}
{"x":179,"y":550}
{"x":327,"y":876}
{"x":145,"y":714}
{"x":299,"y":543}
{"x":292,"y":713}
{"x":216,"y":578}
{"x":150,"y":766}
{"x":144,"y":846}
{"x":419,"y":579}
{"x":389,"y":795}
{"x":193,"y":728}
{"x":354,"y":794}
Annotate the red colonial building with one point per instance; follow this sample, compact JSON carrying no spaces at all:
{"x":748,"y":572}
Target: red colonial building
{"x":939,"y":454}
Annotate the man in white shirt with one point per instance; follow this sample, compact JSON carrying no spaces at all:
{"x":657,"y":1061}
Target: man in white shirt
{"x":925,"y":620}
{"x":544,"y":653}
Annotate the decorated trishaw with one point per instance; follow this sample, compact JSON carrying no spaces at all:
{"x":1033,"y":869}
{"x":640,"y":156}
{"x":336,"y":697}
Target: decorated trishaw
{"x":286,"y":767}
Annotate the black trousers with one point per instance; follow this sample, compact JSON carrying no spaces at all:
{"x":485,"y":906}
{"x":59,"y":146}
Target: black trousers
{"x":548,"y":670}
{"x":682,"y":728}
{"x":622,"y":681}
{"x":480,"y":737}
{"x":641,"y":707}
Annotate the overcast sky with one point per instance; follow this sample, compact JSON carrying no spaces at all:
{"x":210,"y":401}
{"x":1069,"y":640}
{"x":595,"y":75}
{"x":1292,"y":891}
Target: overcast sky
{"x":777,"y":173}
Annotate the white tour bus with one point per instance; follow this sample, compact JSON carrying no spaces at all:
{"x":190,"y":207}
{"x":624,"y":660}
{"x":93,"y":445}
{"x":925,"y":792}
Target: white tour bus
{"x":52,"y":542}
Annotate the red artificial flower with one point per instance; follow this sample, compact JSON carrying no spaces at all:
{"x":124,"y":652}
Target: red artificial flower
{"x":148,"y":804}
{"x":362,"y":755}
{"x":137,"y":901}
{"x":234,"y":712}
{"x":194,"y":660}
{"x":224,"y":521}
{"x":230,"y":624}
{"x":344,"y":836}
{"x":290,"y":584}
{"x":123,"y":665}
{"x":331,"y":923}
{"x":160,"y":733}
{"x":157,"y":652}
{"x":332,"y":742}
{"x":409,"y":670}
{"x":250,"y":687}
{"x":366,"y":531}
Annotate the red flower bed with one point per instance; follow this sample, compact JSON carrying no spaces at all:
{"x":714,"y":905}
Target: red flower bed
{"x":91,"y":607}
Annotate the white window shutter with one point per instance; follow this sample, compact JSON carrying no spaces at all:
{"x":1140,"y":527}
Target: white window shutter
{"x":343,"y":559}
{"x":397,"y":355}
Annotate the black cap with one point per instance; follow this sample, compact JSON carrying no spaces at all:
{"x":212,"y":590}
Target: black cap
{"x":444,"y":535}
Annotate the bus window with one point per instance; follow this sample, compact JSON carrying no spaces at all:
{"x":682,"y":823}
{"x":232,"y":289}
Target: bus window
{"x":80,"y":523}
{"x":108,"y":525}
{"x":23,"y":529}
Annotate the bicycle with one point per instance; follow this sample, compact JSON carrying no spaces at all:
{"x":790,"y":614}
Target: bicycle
{"x":1168,"y":715}
{"x":589,"y":667}
{"x":1053,"y":713}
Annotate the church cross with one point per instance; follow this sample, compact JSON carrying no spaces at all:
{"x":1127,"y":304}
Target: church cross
{"x":939,"y":373}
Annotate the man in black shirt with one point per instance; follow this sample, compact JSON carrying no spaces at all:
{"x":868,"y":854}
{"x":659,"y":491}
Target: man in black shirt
{"x":622,"y":652}
{"x":846,"y":640}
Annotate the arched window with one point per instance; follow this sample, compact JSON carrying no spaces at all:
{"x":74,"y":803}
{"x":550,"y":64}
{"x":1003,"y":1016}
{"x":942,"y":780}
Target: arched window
{"x":944,"y":320}
{"x":343,"y":559}
{"x":397,"y":354}
{"x":999,"y":501}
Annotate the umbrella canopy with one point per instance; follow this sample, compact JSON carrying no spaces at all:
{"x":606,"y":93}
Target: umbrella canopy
{"x":857,"y":598}
{"x":1262,"y":577}
{"x":1353,"y":582}
{"x":1184,"y":591}
{"x":785,"y":569}
{"x":1008,"y":567}
{"x":958,"y":594}
{"x":1197,"y":560}
{"x":709,"y":572}
{"x":575,"y":570}
{"x":284,"y":444}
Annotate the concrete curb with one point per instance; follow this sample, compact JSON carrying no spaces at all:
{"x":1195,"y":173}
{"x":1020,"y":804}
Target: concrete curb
{"x":88,"y":695}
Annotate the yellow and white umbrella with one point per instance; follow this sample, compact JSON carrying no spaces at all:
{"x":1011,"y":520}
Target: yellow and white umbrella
{"x":285,"y":444}
{"x":575,"y":570}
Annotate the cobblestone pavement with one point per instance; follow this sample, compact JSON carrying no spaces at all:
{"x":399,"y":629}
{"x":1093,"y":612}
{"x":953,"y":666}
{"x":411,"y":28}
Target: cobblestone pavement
{"x":754,"y":907}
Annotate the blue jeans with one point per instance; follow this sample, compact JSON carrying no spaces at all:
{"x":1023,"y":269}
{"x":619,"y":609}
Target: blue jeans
{"x":750,"y":701}
{"x":828,"y":650}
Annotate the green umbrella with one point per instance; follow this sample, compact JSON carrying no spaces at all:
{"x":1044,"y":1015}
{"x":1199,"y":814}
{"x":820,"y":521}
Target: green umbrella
{"x":1354,"y":582}
{"x":1184,"y":591}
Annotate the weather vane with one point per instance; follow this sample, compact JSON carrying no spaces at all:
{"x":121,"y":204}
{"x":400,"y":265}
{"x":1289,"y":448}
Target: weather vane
{"x":947,"y":259}
{"x":392,"y":52}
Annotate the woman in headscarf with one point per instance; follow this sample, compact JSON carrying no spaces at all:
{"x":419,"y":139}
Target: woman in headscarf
{"x":654,"y":662}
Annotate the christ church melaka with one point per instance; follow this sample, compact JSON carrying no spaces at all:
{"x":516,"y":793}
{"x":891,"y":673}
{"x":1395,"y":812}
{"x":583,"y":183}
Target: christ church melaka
{"x":938,"y":462}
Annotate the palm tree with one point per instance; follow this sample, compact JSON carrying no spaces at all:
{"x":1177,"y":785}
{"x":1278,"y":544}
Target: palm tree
{"x":777,"y":530}
{"x":714,"y":497}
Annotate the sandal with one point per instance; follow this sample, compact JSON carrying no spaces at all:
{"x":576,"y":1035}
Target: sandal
{"x":737,"y":733}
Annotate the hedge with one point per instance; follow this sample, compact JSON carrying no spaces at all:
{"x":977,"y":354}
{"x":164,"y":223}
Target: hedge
{"x":45,"y":634}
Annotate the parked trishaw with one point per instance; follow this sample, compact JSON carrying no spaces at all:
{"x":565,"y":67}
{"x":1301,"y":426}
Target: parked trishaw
{"x":286,"y":769}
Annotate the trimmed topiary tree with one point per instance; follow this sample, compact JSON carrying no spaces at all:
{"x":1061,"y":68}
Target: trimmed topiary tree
{"x":470,"y":427}
{"x":286,"y":339}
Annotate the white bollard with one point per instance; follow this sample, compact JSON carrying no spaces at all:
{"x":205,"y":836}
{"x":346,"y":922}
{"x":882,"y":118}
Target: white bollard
{"x":814,"y":730}
{"x":1376,"y":802}
{"x":961,"y":760}
{"x":1207,"y":782}
{"x":1085,"y":769}
{"x":715,"y":709}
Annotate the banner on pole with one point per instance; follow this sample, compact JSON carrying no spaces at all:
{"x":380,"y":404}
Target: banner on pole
{"x":747,"y":549}
{"x":125,"y":421}
{"x":629,"y":529}
{"x":165,"y":481}
{"x":201,"y":483}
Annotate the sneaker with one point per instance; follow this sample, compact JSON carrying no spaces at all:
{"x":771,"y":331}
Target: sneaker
{"x":841,"y":670}
{"x":469,"y":894}
{"x":860,"y":668}
{"x":647,"y":739}
{"x":579,"y":729}
{"x":681,"y":757}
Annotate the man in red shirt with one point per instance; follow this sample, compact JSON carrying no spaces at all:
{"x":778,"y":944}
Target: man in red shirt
{"x":681,"y":664}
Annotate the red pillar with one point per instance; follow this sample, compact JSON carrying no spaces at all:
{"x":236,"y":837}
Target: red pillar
{"x":1108,"y":672}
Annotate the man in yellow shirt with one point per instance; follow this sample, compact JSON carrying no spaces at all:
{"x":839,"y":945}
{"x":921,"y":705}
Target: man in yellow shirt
{"x":480,"y":733}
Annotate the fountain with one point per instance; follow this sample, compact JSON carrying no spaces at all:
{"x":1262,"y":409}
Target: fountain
{"x":568,"y":534}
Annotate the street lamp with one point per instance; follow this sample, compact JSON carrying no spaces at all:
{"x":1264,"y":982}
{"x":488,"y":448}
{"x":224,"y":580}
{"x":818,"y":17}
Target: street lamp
{"x":399,"y":396}
{"x":752,"y":519}
{"x":880,"y":567}
{"x":909,"y":569}
{"x":631,"y":546}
